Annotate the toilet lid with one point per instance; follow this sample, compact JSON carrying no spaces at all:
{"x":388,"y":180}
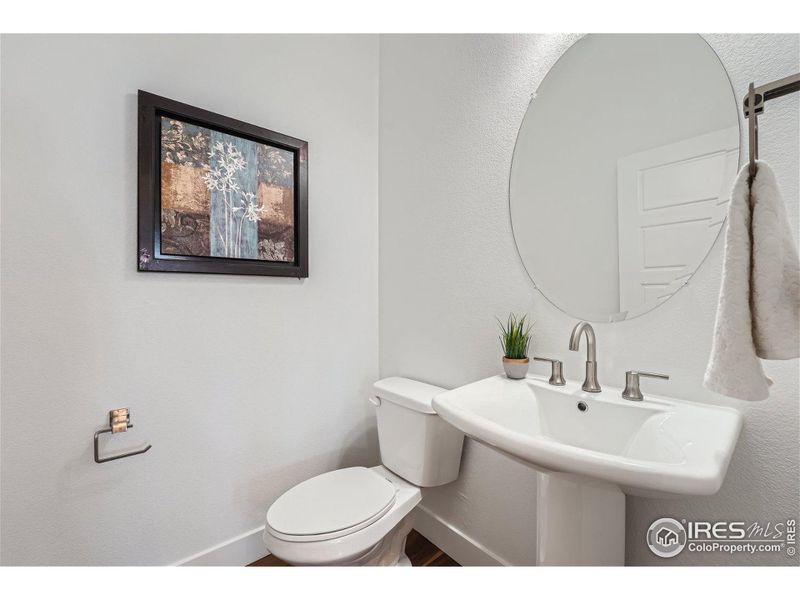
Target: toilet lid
{"x":337,"y":501}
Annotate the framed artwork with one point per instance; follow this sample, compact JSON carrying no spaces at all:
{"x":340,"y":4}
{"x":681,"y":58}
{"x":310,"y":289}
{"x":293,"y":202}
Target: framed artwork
{"x":217,"y":195}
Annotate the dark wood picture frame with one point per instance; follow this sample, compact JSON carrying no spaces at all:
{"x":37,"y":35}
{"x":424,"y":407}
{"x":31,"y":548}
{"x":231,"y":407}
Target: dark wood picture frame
{"x":149,"y":255}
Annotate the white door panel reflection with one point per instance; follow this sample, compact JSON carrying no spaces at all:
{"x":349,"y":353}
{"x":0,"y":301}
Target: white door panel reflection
{"x":676,"y":192}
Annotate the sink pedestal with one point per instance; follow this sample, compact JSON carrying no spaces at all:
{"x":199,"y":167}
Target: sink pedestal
{"x":579,"y":521}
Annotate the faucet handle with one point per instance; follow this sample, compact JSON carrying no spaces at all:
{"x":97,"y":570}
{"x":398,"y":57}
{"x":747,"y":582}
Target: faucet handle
{"x":556,"y":370}
{"x":632,"y":390}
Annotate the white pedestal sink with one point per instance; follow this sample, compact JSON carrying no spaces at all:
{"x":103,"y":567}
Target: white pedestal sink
{"x":592,"y":449}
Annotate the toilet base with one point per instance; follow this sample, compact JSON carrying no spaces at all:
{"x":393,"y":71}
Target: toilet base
{"x":391,"y":550}
{"x":404,"y":561}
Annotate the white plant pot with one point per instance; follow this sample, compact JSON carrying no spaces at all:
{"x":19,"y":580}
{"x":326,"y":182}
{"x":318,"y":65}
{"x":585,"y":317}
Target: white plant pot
{"x":516,"y":368}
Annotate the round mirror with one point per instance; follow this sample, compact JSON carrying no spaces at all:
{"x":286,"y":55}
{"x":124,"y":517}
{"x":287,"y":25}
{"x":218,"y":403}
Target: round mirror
{"x":621,"y":172}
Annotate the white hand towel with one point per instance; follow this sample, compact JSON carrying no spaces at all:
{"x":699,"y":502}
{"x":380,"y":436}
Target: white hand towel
{"x":758,"y":315}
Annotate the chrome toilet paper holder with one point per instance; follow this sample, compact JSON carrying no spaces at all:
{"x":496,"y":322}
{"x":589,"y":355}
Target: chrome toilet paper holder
{"x":119,"y":421}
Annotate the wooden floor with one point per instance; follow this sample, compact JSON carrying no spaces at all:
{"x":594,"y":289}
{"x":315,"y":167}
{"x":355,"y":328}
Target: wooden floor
{"x":420,"y":551}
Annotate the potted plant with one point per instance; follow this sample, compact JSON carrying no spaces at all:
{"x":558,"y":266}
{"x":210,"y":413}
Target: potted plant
{"x":515,"y":338}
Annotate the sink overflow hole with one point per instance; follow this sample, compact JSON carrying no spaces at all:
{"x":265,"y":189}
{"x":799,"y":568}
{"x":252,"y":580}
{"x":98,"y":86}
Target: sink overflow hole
{"x":582,"y":406}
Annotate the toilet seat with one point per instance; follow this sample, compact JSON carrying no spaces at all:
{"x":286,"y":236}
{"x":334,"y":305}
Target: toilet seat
{"x":331,"y":505}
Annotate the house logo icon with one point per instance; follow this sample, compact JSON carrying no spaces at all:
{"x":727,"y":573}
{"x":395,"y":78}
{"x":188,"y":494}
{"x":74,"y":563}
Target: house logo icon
{"x":666,"y":537}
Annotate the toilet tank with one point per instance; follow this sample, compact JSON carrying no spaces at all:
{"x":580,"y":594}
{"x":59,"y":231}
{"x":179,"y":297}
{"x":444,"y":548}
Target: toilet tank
{"x":415,"y":442}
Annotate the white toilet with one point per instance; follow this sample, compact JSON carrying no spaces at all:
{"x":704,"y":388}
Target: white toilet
{"x":360,"y":516}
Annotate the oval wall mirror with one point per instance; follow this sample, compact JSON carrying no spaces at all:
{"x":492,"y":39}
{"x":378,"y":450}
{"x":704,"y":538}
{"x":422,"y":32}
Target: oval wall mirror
{"x":621,"y":172}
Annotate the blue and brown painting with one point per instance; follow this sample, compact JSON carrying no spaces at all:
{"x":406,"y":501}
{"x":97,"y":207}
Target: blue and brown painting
{"x":224,"y":196}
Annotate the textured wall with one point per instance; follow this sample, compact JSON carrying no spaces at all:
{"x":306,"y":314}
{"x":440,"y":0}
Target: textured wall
{"x":450,"y":107}
{"x":244,"y":385}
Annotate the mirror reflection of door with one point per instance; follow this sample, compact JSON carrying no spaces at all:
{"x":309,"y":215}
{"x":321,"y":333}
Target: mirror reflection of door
{"x":671,"y":201}
{"x":621,"y":172}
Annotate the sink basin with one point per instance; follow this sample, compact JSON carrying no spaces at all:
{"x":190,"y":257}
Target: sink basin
{"x":659,"y":446}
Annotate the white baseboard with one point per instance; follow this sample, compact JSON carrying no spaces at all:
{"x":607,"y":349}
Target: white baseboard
{"x":235,"y":552}
{"x":249,"y":547}
{"x":454,"y":542}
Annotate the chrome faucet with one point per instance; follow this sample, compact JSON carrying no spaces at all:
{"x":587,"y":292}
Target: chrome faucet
{"x":590,"y":383}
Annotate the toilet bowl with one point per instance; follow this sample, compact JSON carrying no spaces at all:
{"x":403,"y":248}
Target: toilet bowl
{"x":361,"y":538}
{"x":361,"y":516}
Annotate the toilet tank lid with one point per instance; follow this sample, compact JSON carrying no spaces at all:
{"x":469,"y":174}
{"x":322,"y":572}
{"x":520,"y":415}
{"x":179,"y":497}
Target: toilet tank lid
{"x":411,"y":394}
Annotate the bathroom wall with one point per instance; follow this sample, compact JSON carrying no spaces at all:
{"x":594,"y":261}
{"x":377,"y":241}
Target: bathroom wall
{"x":243,"y":385}
{"x":450,"y":107}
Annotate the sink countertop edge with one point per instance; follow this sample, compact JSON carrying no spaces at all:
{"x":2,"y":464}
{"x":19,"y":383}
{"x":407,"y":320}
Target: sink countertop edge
{"x":706,"y":479}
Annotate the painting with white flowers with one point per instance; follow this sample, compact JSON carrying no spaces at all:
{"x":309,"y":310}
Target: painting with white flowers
{"x":225,"y":196}
{"x":219,"y":195}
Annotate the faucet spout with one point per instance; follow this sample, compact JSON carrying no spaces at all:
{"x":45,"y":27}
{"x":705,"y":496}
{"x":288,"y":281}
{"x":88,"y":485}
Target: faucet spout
{"x":590,"y":383}
{"x":591,"y":340}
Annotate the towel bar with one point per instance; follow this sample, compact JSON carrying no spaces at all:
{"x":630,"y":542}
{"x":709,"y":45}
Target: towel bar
{"x":755,"y":98}
{"x":119,"y":421}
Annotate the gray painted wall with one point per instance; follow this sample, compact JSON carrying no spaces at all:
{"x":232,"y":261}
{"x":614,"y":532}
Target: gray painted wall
{"x":244,"y":385}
